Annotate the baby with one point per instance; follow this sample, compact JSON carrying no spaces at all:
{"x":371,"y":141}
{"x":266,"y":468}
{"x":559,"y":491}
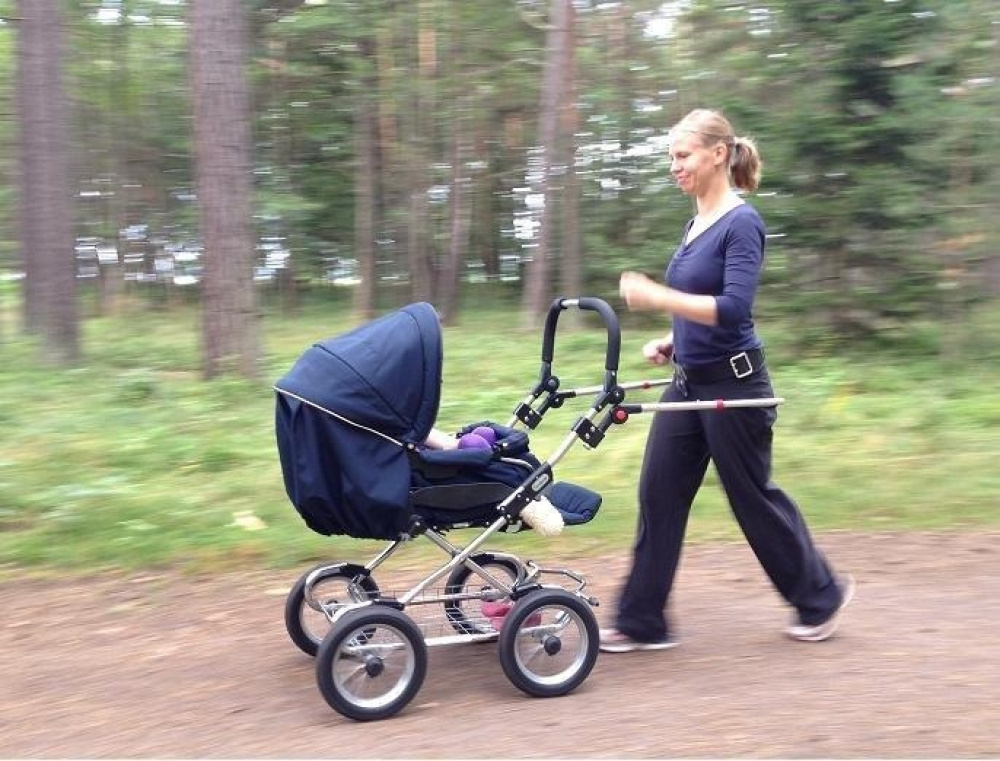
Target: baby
{"x":540,"y":514}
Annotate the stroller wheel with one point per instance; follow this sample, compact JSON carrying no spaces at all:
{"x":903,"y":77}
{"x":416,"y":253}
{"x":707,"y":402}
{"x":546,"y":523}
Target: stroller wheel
{"x":372,"y":663}
{"x":333,"y":586}
{"x":549,"y":643}
{"x":467,"y":616}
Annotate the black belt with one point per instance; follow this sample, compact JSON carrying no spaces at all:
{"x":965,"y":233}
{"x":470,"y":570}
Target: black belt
{"x":741,"y":365}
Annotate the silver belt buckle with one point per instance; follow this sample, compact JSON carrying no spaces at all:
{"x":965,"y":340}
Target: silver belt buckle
{"x":749,"y":365}
{"x":680,"y":379}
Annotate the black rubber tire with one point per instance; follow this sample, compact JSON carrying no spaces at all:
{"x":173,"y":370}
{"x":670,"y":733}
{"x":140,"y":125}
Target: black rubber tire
{"x":461,"y":618}
{"x":545,"y":620}
{"x":296,"y":607}
{"x":355,"y":639}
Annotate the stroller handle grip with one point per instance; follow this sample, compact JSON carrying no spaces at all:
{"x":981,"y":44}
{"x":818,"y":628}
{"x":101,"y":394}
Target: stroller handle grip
{"x":586,"y":303}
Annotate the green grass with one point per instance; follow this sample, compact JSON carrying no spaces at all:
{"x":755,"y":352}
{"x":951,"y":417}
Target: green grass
{"x":135,"y":462}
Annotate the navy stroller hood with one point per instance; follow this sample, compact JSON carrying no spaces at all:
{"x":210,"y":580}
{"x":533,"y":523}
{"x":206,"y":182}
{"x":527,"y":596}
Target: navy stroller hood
{"x":345,"y":413}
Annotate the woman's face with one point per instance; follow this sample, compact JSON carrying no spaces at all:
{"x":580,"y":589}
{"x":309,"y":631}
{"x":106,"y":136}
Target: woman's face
{"x":694,"y":165}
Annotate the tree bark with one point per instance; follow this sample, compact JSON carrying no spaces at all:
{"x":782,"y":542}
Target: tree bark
{"x":420,"y":247}
{"x":224,"y":180}
{"x":365,"y":174}
{"x":30,"y":104}
{"x":461,"y":222}
{"x":50,"y":305}
{"x":537,"y":286}
{"x":622,"y":81}
{"x":571,"y":272}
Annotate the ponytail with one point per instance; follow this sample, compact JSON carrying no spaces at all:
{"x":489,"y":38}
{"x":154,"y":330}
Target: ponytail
{"x":744,"y":164}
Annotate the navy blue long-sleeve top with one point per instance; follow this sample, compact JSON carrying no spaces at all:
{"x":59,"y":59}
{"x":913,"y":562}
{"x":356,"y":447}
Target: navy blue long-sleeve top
{"x":725,"y":261}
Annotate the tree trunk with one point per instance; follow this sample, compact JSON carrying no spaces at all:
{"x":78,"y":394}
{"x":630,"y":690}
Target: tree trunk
{"x":621,"y":65}
{"x":391,"y":167}
{"x":417,"y":254}
{"x":993,"y":258}
{"x":46,"y":198}
{"x":224,"y":181}
{"x":365,"y":173}
{"x":118,"y":131}
{"x":30,"y":106}
{"x":419,"y":242}
{"x":461,"y":221}
{"x":536,"y":288}
{"x":571,"y":273}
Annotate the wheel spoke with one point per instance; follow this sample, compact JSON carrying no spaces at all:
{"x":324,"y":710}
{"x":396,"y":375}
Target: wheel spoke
{"x":359,"y":649}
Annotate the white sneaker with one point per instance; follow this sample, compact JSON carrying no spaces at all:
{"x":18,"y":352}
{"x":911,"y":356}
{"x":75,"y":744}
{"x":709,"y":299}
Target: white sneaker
{"x":613,"y":641}
{"x":825,"y":630}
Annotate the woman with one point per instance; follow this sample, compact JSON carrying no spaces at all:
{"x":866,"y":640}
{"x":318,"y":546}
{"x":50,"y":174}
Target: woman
{"x":709,"y":293}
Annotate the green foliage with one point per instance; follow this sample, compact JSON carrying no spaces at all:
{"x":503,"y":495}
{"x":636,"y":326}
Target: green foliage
{"x":877,"y":121}
{"x":868,"y":128}
{"x":133,"y":461}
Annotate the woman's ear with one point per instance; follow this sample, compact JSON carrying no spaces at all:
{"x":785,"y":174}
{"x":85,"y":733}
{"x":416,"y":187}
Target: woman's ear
{"x":719,"y":154}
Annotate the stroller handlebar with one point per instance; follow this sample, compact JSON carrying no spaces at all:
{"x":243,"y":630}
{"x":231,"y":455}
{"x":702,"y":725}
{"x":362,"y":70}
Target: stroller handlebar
{"x":547,"y":387}
{"x":591,"y":304}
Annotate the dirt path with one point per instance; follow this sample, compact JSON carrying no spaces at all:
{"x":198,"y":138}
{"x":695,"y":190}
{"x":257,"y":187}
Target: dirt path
{"x":161,"y":666}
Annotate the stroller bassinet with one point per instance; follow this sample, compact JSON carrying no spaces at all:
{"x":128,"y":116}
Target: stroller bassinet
{"x":351,"y":417}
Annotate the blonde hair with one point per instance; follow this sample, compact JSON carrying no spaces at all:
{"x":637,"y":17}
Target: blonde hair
{"x":712,"y":127}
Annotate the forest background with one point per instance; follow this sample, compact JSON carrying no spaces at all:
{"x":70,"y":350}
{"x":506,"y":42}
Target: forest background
{"x":192,"y":192}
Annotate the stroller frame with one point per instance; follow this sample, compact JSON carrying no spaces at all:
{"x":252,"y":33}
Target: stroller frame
{"x":371,"y":656}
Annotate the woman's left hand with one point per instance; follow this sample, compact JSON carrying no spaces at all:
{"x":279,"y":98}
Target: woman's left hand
{"x":640,"y":292}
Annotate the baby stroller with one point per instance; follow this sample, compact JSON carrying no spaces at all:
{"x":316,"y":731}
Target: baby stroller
{"x":351,"y":416}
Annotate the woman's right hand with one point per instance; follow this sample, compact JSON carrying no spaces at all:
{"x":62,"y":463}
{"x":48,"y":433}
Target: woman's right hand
{"x":659,"y":351}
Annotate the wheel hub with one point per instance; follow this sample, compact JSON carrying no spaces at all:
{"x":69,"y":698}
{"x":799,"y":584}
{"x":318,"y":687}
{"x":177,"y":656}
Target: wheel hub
{"x":552,"y":644}
{"x":374,"y":666}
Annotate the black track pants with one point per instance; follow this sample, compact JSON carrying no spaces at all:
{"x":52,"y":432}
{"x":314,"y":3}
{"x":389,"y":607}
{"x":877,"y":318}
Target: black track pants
{"x":738,"y":442}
